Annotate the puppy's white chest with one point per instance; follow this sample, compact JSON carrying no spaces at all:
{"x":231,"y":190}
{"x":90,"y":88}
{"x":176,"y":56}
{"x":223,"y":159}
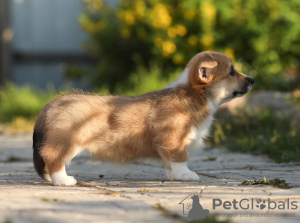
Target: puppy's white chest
{"x":203,"y":129}
{"x":197,"y":135}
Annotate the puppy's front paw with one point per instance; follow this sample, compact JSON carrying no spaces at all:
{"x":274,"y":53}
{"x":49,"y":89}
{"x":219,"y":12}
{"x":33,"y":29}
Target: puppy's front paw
{"x":185,"y":175}
{"x":62,"y":179}
{"x":66,"y":181}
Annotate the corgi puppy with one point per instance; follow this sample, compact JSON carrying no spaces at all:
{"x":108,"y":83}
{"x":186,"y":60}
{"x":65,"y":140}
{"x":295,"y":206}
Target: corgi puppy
{"x":161,"y":124}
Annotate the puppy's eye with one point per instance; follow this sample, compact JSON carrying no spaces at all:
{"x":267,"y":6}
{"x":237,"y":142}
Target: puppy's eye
{"x":232,"y":72}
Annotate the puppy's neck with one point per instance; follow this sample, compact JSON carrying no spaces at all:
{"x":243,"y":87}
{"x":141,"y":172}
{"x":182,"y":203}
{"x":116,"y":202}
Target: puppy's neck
{"x":197,"y":102}
{"x":203,"y":96}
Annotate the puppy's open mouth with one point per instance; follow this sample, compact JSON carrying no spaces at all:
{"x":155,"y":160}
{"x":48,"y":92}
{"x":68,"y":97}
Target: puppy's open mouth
{"x":244,"y":90}
{"x":236,"y":93}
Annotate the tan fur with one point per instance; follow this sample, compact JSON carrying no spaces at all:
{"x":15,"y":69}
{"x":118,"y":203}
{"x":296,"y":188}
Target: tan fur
{"x":123,"y":128}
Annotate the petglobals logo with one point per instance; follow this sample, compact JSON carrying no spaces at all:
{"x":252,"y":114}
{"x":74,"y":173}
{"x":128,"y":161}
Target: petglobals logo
{"x":246,"y":207}
{"x":194,"y":209}
{"x":254,"y":204}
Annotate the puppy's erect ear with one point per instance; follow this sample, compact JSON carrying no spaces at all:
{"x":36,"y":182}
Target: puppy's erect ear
{"x":206,"y":68}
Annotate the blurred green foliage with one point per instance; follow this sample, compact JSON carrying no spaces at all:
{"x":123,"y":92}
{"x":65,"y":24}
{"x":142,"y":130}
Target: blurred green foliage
{"x":146,"y":80}
{"x":23,"y":102}
{"x":259,"y":133}
{"x":261,"y":37}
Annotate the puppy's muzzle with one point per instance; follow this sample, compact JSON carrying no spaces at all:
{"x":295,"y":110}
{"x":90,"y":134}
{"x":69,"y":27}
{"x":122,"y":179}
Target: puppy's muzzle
{"x":249,"y":82}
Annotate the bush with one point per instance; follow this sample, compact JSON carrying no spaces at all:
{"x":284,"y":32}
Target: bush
{"x":261,"y":37}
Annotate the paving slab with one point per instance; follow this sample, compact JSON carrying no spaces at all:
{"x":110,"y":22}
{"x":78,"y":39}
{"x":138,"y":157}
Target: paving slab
{"x":141,"y":192}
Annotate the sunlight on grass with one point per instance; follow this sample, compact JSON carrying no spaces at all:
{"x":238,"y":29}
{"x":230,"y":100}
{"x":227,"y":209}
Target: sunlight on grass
{"x":21,"y":125}
{"x":262,"y":133}
{"x":23,"y":102}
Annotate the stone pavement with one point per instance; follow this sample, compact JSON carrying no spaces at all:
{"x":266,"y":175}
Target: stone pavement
{"x":140,"y":192}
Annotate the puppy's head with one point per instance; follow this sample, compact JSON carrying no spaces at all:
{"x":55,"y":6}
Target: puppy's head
{"x":216,"y":72}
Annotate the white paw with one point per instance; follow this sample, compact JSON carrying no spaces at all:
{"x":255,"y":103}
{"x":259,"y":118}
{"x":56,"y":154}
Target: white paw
{"x":62,"y":179}
{"x":66,"y":181}
{"x":180,"y":171}
{"x":184,"y":176}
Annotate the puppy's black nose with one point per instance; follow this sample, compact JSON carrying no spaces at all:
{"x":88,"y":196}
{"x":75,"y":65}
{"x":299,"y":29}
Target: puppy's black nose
{"x":250,"y":80}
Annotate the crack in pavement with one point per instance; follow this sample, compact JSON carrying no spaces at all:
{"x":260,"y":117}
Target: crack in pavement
{"x":106,"y":191}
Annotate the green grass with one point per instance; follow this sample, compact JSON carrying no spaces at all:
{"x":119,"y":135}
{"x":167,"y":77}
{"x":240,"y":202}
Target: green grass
{"x":275,"y":183}
{"x":23,"y":102}
{"x":210,"y":158}
{"x":13,"y":158}
{"x":47,"y":199}
{"x":261,"y":133}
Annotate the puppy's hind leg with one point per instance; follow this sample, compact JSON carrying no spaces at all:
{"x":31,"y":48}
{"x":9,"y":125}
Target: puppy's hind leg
{"x":55,"y":165}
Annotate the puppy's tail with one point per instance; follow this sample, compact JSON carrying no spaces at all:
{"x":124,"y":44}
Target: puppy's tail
{"x":38,"y":140}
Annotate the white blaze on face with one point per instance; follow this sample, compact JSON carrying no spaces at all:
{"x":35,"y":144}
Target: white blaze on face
{"x":182,"y":80}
